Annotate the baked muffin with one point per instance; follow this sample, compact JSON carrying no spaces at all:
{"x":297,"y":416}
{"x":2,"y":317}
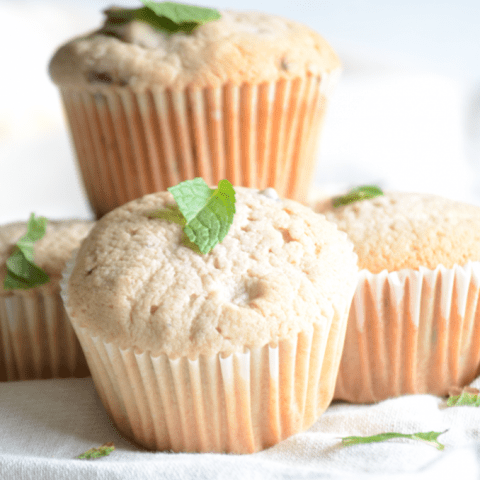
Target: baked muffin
{"x":242,"y":98}
{"x":414,"y":325}
{"x":231,"y":351}
{"x":37,"y":340}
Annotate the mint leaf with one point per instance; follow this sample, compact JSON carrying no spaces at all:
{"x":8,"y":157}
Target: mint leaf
{"x":427,"y":437}
{"x":209,"y":213}
{"x":102,"y":451}
{"x":171,"y":213}
{"x":363,"y":192}
{"x":191,"y":196}
{"x":22,"y":273}
{"x":466,"y":397}
{"x":206,"y":214}
{"x":180,"y":13}
{"x":168,"y":17}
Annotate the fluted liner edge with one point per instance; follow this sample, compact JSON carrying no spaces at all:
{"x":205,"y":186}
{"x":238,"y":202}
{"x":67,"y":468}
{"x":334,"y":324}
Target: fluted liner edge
{"x":132,"y":143}
{"x":411,"y":331}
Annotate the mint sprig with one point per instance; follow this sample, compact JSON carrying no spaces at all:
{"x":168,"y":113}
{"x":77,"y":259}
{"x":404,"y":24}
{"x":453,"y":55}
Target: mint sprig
{"x":169,"y":17}
{"x":22,"y":273}
{"x":466,"y":397}
{"x":205,"y":213}
{"x":428,"y":437}
{"x":102,"y":451}
{"x":363,"y":192}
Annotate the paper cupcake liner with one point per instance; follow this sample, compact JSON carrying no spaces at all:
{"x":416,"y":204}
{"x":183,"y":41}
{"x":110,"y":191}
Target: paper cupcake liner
{"x":132,"y":143}
{"x":37,"y":339}
{"x":411,"y":331}
{"x":242,"y":403}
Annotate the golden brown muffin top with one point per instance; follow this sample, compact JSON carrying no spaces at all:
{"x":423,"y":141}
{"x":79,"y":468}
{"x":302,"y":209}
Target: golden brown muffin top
{"x":241,"y":47}
{"x":51,"y":252}
{"x":409,"y":230}
{"x":280,"y":269}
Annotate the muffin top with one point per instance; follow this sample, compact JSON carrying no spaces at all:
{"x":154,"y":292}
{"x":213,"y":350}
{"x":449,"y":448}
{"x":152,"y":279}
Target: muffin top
{"x":51,"y":252}
{"x":280,"y":269}
{"x":409,"y":230}
{"x":240,"y":47}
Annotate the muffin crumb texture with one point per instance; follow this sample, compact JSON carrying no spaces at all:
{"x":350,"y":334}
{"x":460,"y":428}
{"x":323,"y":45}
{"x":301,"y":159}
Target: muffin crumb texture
{"x":280,"y":269}
{"x":240,"y":47}
{"x":409,"y":230}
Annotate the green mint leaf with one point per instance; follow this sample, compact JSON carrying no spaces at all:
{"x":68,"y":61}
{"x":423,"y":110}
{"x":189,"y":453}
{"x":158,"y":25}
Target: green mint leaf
{"x":162,"y":23}
{"x":181,"y":13}
{"x":205,"y":213}
{"x":466,"y":397}
{"x":22,"y":273}
{"x":209,"y":213}
{"x":102,"y":451}
{"x":168,"y":17}
{"x":171,"y":213}
{"x":191,"y":196}
{"x":356,"y":194}
{"x":427,"y":437}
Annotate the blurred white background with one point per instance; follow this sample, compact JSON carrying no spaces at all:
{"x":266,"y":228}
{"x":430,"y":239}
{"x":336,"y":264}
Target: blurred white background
{"x":406,"y":113}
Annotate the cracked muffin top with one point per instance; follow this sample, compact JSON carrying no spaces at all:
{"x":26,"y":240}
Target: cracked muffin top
{"x":408,"y":230}
{"x":240,"y":47}
{"x":280,"y":269}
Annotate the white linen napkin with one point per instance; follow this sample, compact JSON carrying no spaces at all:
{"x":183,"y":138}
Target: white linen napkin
{"x":45,"y":424}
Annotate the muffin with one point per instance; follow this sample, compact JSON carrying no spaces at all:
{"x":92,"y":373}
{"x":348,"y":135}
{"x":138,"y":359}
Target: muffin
{"x":231,"y":351}
{"x":37,"y":339}
{"x":414,"y":325}
{"x":242,"y":98}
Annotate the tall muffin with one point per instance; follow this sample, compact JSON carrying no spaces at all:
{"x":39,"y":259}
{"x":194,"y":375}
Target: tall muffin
{"x":414,"y":325}
{"x":37,"y":339}
{"x":231,"y":351}
{"x":242,"y":97}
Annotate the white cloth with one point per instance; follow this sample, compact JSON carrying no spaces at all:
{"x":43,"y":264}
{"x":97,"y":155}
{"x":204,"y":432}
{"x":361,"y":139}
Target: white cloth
{"x":45,"y":424}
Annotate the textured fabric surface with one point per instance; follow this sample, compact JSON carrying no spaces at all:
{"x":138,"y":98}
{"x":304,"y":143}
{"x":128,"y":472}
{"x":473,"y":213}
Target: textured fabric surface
{"x":45,"y":424}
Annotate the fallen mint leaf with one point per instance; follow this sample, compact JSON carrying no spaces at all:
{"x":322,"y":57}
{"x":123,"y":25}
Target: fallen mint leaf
{"x":427,"y":437}
{"x":102,"y":451}
{"x":464,"y":397}
{"x":363,"y":192}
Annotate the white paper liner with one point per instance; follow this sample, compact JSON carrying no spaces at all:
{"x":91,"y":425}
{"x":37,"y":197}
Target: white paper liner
{"x":411,"y":331}
{"x":131,"y":143}
{"x":37,"y":339}
{"x":239,"y":404}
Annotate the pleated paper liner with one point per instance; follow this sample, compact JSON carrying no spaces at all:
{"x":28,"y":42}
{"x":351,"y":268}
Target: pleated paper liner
{"x":411,"y":331}
{"x":242,"y":403}
{"x":37,"y":339}
{"x":132,"y":143}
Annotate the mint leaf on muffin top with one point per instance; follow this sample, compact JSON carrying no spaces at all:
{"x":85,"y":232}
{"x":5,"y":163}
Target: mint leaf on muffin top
{"x":427,"y":437}
{"x":102,"y":451}
{"x":205,"y":213}
{"x":363,"y":192}
{"x":22,"y":273}
{"x":169,"y":17}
